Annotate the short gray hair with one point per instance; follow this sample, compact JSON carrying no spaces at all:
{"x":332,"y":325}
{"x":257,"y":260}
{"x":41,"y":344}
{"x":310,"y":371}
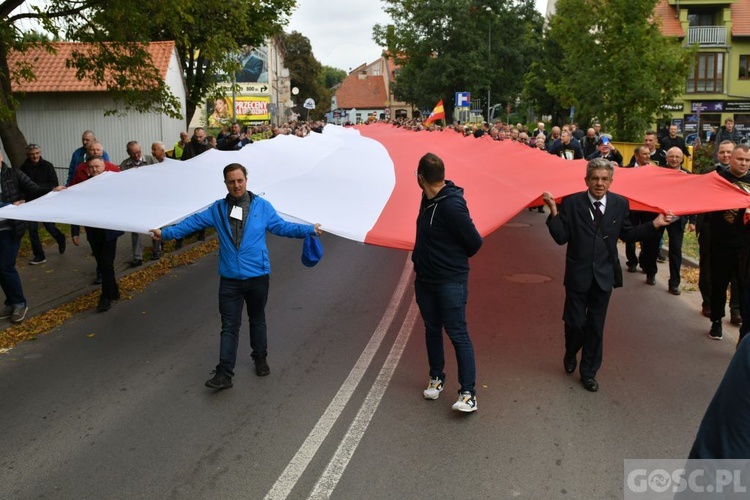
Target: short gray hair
{"x":600,"y":164}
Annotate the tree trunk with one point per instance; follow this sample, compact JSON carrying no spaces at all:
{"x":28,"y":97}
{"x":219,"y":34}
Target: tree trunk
{"x":14,"y":142}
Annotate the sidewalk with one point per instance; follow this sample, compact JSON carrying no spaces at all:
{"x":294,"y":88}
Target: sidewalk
{"x":66,"y":277}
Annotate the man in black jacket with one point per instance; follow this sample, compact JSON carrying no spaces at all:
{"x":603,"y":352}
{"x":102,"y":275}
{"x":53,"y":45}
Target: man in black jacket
{"x":446,"y":238}
{"x":16,"y":188}
{"x":590,"y":222}
{"x":43,"y":174}
{"x":727,"y":240}
{"x":197,"y":144}
{"x":674,"y":141}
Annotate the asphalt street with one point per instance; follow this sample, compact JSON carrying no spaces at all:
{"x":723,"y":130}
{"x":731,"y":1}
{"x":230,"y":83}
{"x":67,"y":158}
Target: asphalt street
{"x":113,"y":406}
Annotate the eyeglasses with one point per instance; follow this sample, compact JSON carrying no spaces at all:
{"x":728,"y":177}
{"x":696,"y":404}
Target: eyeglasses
{"x":32,"y":146}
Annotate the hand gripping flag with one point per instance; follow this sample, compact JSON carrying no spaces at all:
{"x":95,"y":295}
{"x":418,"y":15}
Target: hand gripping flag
{"x":437,"y":114}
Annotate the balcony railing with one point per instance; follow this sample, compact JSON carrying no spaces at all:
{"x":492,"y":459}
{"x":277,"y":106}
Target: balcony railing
{"x":707,"y":35}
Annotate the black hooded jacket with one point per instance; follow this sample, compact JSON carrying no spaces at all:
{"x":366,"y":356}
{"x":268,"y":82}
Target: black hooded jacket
{"x":446,"y":237}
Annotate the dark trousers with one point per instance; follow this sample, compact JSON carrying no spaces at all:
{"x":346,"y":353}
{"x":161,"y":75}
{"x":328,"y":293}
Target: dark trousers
{"x":233,"y":294}
{"x":104,"y":252}
{"x":649,"y":246}
{"x":584,"y":315}
{"x":676,"y":233}
{"x":724,"y":264}
{"x":443,"y":305}
{"x":10,"y":281}
{"x":36,"y":243}
{"x":704,"y":272}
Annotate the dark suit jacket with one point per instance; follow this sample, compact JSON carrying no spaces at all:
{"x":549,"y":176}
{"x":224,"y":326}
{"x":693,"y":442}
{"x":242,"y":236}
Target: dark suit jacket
{"x":588,"y":256}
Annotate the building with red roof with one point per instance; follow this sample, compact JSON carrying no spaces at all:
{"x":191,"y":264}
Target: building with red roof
{"x":367,"y":93}
{"x":56,"y":107}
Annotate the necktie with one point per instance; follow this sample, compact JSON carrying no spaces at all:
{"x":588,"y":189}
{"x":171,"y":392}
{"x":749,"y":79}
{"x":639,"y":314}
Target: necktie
{"x":598,"y":214}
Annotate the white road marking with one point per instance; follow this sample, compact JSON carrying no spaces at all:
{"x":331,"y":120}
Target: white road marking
{"x":293,"y":471}
{"x":336,"y":467}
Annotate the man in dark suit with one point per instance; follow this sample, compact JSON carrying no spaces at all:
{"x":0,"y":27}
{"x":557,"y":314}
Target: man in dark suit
{"x":590,"y":223}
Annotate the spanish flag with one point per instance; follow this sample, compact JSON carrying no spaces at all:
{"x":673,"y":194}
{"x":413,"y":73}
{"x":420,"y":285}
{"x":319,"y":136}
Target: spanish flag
{"x":437,"y":114}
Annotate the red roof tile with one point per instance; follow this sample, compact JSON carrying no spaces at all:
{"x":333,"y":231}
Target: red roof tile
{"x":670,"y":22}
{"x":741,"y":18}
{"x":53,"y":76}
{"x":365,"y":92}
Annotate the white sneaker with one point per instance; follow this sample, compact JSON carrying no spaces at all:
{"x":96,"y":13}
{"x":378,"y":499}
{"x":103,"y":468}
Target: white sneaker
{"x":434,"y":389}
{"x":466,"y":403}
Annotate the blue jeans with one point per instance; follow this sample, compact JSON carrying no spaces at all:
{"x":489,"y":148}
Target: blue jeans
{"x":36,"y":243}
{"x":232,"y":295}
{"x":443,"y":305}
{"x":10,"y":281}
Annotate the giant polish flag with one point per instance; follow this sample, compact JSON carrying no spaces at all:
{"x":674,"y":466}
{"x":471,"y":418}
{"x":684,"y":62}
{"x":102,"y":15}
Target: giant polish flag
{"x":360,"y":184}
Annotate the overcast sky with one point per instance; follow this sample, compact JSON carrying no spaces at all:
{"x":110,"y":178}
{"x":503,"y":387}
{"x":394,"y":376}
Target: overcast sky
{"x":340,"y":31}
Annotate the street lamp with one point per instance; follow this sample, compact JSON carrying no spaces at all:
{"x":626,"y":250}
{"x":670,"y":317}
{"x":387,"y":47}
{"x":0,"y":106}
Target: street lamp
{"x":489,"y":59}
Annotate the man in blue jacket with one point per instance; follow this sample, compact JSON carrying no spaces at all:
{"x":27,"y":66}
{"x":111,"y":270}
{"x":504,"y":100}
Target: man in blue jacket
{"x":446,"y":238}
{"x":241,"y":221}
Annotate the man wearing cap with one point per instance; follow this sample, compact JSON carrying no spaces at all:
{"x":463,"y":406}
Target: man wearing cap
{"x":241,"y":220}
{"x":605,"y":149}
{"x":43,"y":174}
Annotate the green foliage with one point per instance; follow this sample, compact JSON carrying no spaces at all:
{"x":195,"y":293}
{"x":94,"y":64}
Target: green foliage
{"x":445,"y":46}
{"x":209,"y":36}
{"x":703,"y":158}
{"x":615,"y":64}
{"x":307,"y":74}
{"x":205,"y":36}
{"x":330,"y":77}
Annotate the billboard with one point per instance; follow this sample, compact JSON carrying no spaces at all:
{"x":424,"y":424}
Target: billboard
{"x":249,"y":110}
{"x":254,"y":61}
{"x":253,"y":109}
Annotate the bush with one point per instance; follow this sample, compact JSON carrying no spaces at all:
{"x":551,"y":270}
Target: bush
{"x":703,"y":158}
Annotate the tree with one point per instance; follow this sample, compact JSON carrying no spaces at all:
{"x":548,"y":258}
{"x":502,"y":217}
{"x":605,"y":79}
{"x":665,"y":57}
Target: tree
{"x":209,"y":36}
{"x":616,"y":65}
{"x":445,"y":46}
{"x":330,"y":77}
{"x":544,"y":70}
{"x":117,"y":31}
{"x":116,"y":55}
{"x":305,"y":73}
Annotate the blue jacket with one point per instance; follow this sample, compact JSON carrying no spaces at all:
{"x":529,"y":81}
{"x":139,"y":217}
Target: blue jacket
{"x":251,"y":260}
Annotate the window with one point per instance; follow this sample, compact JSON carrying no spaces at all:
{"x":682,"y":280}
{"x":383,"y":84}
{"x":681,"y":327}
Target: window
{"x":744,"y":67}
{"x":708,"y":73}
{"x":701,"y":18}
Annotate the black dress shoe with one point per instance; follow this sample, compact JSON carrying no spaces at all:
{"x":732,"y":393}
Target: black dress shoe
{"x":674,"y":290}
{"x":261,"y":367}
{"x":650,"y":279}
{"x":569,"y":362}
{"x":104,"y":305}
{"x":590,"y":384}
{"x":632,"y":269}
{"x":735,"y":318}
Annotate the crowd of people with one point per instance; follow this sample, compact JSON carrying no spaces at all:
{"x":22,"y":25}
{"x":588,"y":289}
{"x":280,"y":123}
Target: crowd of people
{"x":37,"y":176}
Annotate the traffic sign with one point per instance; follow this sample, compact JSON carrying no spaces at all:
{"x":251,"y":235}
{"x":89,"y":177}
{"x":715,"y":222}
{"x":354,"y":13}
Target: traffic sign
{"x":463,"y":99}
